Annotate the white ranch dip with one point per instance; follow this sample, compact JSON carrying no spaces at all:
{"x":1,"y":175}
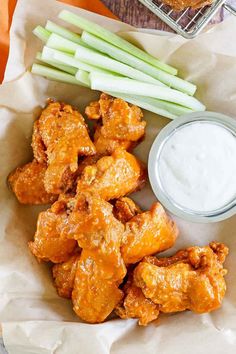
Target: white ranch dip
{"x":197,"y":166}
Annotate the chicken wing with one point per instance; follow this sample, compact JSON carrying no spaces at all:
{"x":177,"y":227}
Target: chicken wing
{"x":136,"y":305}
{"x":148,"y":233}
{"x":96,"y":292}
{"x":192,"y":280}
{"x":49,"y":244}
{"x":113,"y":176}
{"x":101,"y":268}
{"x":91,"y":222}
{"x":125,"y":209}
{"x":64,"y":276}
{"x":62,"y":135}
{"x":27,"y":184}
{"x":39,"y":149}
{"x":178,"y":5}
{"x":122,"y":125}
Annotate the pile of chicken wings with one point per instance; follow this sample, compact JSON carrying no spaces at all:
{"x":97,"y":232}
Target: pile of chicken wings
{"x":101,"y":244}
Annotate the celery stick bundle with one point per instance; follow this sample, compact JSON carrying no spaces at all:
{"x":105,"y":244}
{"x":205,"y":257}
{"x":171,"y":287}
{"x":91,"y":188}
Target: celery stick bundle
{"x":101,"y":60}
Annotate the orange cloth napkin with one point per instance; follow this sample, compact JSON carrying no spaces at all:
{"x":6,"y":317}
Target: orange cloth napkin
{"x":6,"y":11}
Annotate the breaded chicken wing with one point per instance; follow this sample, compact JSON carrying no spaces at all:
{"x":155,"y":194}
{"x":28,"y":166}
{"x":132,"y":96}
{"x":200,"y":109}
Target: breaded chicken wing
{"x":148,"y":233}
{"x":180,"y":5}
{"x":60,"y":137}
{"x":96,"y":292}
{"x":39,"y":149}
{"x":136,"y":305}
{"x":122,"y":125}
{"x":125,"y":209}
{"x":192,"y":280}
{"x":95,"y":276}
{"x":61,"y":134}
{"x":91,"y":222}
{"x":48,"y":244}
{"x":64,"y":276}
{"x":27,"y":184}
{"x":113,"y":176}
{"x":106,"y":146}
{"x":101,"y":268}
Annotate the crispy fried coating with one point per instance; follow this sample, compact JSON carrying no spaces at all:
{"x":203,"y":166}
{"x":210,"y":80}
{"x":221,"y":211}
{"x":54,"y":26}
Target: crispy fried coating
{"x":136,"y":305}
{"x":27,"y":184}
{"x":106,"y":146}
{"x":125,"y":209}
{"x":61,"y":134}
{"x":101,"y":268}
{"x":64,"y":276}
{"x":96,"y":291}
{"x":48,"y":244}
{"x":192,"y":280}
{"x":92,"y":223}
{"x":148,"y":233}
{"x":87,"y":161}
{"x":113,"y":176}
{"x":122,"y":125}
{"x":179,"y":5}
{"x":39,"y":149}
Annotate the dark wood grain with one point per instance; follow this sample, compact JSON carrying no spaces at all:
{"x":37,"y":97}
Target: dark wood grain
{"x":136,"y":14}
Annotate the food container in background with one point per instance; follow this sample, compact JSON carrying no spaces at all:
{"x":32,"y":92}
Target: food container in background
{"x":188,"y":22}
{"x":192,"y":167}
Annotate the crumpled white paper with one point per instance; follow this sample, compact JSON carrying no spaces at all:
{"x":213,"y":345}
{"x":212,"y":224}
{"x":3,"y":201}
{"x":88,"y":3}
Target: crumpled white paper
{"x":34,"y":319}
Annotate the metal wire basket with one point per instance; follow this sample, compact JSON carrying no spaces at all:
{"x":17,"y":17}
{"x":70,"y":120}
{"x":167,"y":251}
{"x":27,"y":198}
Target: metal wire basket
{"x":188,"y":23}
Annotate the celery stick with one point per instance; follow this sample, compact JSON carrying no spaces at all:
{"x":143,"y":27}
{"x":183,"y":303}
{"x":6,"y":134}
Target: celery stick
{"x":68,"y":60}
{"x":55,"y":41}
{"x":154,"y":105}
{"x":83,"y":76}
{"x":63,"y":32}
{"x":54,"y":74}
{"x":114,"y":39}
{"x":41,"y":33}
{"x":144,"y":104}
{"x":119,"y":54}
{"x":68,"y":69}
{"x":103,"y":82}
{"x":102,"y":61}
{"x":48,"y":54}
{"x":65,"y":45}
{"x":92,"y":57}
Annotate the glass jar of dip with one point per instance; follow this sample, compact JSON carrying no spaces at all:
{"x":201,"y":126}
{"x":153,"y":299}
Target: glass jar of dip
{"x":192,"y":167}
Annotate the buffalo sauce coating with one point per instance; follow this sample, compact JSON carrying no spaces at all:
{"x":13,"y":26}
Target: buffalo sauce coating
{"x":64,"y":276}
{"x":195,"y":282}
{"x":120,"y":124}
{"x":27,"y":182}
{"x":49,"y":243}
{"x":100,"y":269}
{"x":113,"y":176}
{"x":62,"y":135}
{"x":148,"y":233}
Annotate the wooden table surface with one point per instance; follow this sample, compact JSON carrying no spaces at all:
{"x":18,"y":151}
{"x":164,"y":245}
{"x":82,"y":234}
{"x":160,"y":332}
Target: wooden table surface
{"x":136,"y":14}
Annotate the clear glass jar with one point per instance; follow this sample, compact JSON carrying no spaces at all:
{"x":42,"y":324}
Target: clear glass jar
{"x":154,"y":175}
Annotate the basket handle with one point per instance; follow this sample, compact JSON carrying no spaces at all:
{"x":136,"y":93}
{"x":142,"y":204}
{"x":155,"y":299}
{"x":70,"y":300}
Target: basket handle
{"x":230,"y":9}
